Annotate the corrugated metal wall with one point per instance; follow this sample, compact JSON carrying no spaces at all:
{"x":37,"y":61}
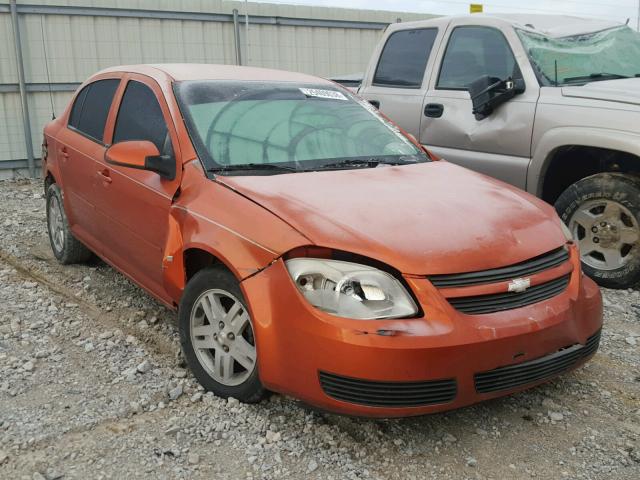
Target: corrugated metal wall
{"x":82,"y":37}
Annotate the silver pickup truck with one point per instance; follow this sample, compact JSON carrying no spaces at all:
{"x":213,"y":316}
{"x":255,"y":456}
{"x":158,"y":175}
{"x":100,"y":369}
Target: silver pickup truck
{"x":547,"y":103}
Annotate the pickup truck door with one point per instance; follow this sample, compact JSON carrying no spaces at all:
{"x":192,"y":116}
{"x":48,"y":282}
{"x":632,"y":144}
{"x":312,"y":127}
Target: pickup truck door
{"x":398,"y":82}
{"x":499,"y":145}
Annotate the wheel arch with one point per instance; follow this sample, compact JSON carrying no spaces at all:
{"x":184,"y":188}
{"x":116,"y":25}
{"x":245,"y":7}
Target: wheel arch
{"x":566,"y":155}
{"x":198,"y":256}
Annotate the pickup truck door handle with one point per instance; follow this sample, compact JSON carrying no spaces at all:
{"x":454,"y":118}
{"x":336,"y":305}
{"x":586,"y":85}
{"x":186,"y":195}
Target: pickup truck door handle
{"x":64,"y":153}
{"x":433,"y":110}
{"x":375,"y":103}
{"x":104,"y":175}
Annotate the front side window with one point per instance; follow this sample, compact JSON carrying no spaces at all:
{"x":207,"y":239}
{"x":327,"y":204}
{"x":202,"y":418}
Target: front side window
{"x":589,"y":57}
{"x":91,"y":108}
{"x":404,"y":58}
{"x":294,"y":127}
{"x":140,"y":117}
{"x":473,"y":52}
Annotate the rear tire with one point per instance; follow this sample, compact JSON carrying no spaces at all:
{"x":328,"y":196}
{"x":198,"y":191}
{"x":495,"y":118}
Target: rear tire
{"x":66,"y":248}
{"x":603,"y":213}
{"x":217,"y":336}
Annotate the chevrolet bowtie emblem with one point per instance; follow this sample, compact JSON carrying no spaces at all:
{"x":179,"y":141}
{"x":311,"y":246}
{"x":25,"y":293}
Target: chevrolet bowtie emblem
{"x":519,"y":284}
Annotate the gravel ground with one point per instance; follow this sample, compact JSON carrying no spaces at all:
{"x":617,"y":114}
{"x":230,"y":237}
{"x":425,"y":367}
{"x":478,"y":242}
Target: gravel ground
{"x":92,"y":385}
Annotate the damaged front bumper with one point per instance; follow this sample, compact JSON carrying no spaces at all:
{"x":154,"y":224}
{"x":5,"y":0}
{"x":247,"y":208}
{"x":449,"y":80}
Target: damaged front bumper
{"x":403,"y":367}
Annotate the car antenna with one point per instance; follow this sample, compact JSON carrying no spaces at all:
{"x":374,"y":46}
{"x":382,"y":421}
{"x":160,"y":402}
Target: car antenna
{"x":46,"y":65}
{"x":555,"y":63}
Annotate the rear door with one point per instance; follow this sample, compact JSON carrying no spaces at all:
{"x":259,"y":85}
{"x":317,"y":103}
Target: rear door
{"x":398,"y":83}
{"x":80,"y":150}
{"x":137,"y":202}
{"x":500,"y":144}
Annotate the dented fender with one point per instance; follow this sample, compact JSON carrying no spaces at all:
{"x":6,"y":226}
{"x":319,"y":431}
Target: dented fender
{"x":210,"y":217}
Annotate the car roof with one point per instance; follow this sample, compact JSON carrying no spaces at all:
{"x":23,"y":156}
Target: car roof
{"x":556,"y":26}
{"x":207,"y":71}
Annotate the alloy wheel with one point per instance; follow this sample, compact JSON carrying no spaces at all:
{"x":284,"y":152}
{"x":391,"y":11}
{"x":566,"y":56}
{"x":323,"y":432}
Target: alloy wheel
{"x":222,"y":337}
{"x":607,"y":233}
{"x":56,"y":223}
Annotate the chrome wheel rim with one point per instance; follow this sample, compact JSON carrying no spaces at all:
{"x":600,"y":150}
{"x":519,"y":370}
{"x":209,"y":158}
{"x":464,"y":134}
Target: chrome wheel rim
{"x":56,"y":224}
{"x":222,"y":337}
{"x":607,"y":233}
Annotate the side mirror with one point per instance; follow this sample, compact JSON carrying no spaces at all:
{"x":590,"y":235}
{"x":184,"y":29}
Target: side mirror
{"x":143,"y":155}
{"x":487,"y":93}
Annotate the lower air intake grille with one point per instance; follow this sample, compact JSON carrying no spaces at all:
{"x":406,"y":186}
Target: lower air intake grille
{"x":513,"y":376}
{"x":388,"y":394}
{"x":496,"y":302}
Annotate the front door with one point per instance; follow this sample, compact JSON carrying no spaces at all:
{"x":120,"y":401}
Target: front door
{"x":137,"y":202}
{"x":499,"y":145}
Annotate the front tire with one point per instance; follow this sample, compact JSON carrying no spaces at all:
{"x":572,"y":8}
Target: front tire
{"x":217,"y":336}
{"x":66,"y":248}
{"x":603,"y":213}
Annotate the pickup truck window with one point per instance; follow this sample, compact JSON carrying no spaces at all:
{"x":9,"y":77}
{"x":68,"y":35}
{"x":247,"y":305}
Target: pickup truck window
{"x":473,"y":52}
{"x":589,"y":57}
{"x":404,"y":58}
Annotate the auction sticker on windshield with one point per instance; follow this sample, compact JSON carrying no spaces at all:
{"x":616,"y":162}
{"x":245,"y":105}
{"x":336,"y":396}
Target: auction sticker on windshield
{"x":314,"y":92}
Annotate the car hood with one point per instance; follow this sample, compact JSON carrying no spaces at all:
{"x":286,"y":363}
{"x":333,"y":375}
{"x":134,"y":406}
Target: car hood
{"x":626,"y":90}
{"x":427,"y":218}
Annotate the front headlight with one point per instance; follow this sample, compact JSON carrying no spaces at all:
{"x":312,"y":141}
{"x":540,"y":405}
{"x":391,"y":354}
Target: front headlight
{"x":567,"y":233}
{"x":350,"y":290}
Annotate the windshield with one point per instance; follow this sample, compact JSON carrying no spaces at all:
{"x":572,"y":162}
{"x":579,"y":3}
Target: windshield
{"x":605,"y":55}
{"x":269,"y":128}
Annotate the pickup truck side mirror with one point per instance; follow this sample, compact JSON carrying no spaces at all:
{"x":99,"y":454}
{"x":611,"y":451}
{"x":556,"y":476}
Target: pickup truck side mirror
{"x":487,"y":93}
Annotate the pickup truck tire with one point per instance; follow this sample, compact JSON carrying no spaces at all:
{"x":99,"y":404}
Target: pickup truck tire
{"x":216,"y":334}
{"x":66,"y":248}
{"x":603,"y":213}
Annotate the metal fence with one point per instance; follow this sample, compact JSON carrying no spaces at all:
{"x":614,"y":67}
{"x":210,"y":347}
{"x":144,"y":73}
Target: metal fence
{"x":48,"y":47}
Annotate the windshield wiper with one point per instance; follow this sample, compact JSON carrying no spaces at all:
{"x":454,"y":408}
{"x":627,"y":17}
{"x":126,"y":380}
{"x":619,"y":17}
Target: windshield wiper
{"x":252,"y":166}
{"x":595,"y":76}
{"x":363,"y":162}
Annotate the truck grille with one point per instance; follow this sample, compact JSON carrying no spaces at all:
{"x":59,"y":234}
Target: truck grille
{"x":388,"y":394}
{"x":524,"y":269}
{"x":496,"y":302}
{"x":513,"y":376}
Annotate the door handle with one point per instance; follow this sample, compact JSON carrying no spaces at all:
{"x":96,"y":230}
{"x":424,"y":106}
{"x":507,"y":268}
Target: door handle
{"x":105,"y":175}
{"x":433,"y":110}
{"x":375,"y":103}
{"x":64,"y":153}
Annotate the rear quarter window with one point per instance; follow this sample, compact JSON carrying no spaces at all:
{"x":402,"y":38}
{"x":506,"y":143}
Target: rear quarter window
{"x":404,"y":58}
{"x":91,"y":108}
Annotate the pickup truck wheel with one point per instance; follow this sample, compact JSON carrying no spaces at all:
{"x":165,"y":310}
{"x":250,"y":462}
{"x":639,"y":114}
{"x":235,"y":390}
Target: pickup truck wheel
{"x":217,"y":336}
{"x":603,"y":213}
{"x":66,"y":248}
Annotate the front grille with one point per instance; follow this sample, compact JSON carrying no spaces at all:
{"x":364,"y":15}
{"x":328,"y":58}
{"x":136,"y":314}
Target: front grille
{"x":513,"y":376}
{"x":388,"y":394}
{"x":496,"y":302}
{"x":524,"y":269}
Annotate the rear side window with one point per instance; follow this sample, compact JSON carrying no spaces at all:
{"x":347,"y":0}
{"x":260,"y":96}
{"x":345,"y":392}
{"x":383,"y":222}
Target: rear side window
{"x":140,"y":117}
{"x":76,"y":110}
{"x":91,"y":108}
{"x":473,"y":52}
{"x":404,"y":58}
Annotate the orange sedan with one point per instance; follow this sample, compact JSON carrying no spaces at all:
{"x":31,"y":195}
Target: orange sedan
{"x":309,"y":246}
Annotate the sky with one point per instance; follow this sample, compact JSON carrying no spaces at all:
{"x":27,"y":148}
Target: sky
{"x":615,"y":10}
